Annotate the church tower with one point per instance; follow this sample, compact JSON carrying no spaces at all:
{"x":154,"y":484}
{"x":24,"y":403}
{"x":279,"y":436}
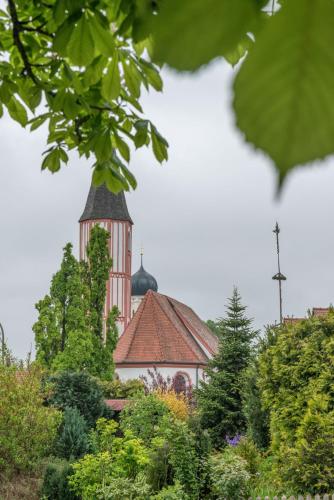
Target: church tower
{"x":110,"y":211}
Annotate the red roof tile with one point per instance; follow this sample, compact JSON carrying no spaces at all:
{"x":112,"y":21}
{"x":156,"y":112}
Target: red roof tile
{"x":165,"y":330}
{"x":117,"y":404}
{"x":320,"y":311}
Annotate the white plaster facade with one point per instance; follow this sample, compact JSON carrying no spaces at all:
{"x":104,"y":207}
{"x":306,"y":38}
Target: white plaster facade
{"x":135,"y":303}
{"x":195,"y":374}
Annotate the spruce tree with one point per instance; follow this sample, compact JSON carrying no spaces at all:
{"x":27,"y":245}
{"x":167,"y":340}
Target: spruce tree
{"x":219,"y":396}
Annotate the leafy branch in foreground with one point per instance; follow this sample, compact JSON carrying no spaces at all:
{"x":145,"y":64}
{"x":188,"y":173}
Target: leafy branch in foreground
{"x":77,"y":59}
{"x":284,"y":89}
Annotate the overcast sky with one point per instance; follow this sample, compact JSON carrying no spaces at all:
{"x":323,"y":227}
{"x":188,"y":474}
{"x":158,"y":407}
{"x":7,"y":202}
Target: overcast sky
{"x":205,"y":219}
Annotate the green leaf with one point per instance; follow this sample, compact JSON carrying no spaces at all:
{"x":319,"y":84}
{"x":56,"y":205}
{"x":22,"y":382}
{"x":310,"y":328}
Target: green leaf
{"x":59,"y":11}
{"x":80,"y":48}
{"x":62,"y":38}
{"x":102,"y":146}
{"x":142,"y":133}
{"x":94,"y":71}
{"x":111,"y":82}
{"x":152,"y":75}
{"x":38,"y":121}
{"x":104,"y":41}
{"x":132,"y":77}
{"x":52,"y":160}
{"x":191,"y":33}
{"x":284,"y":92}
{"x":122,"y":147}
{"x":17,"y":111}
{"x":159,"y":145}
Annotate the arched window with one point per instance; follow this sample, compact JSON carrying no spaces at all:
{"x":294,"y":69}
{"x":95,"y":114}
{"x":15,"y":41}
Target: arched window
{"x":181,"y":382}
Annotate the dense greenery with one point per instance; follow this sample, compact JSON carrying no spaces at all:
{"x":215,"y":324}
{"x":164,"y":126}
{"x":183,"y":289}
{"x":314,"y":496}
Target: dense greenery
{"x":80,"y":391}
{"x":74,"y":66}
{"x":275,"y":402}
{"x":27,"y":427}
{"x":86,"y":61}
{"x":220,"y":394}
{"x":71,"y":332}
{"x":296,"y":380}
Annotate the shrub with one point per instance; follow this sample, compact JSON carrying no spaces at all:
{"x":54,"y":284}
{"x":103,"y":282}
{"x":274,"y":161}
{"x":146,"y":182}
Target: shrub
{"x":174,"y":492}
{"x":182,"y":455}
{"x":230,"y":479}
{"x":247,"y":450}
{"x":116,"y":389}
{"x":90,"y":474}
{"x":143,"y":416}
{"x":81,"y":391}
{"x":123,"y":488}
{"x":55,"y":483}
{"x":177,"y":403}
{"x":27,"y":428}
{"x":72,"y":441}
{"x":296,"y":379}
{"x":128,"y":459}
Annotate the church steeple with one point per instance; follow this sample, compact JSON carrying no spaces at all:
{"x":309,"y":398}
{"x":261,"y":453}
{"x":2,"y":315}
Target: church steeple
{"x":102,"y":204}
{"x":110,"y":211}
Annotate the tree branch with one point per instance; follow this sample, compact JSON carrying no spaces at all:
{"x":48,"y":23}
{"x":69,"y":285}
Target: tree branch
{"x":18,"y":41}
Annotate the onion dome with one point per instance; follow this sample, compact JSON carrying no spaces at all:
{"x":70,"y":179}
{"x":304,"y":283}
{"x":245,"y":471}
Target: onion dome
{"x":142,"y":281}
{"x":103,"y":204}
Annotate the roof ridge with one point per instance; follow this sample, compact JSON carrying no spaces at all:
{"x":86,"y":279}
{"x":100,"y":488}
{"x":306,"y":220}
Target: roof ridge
{"x":186,"y":326}
{"x":169,"y":319}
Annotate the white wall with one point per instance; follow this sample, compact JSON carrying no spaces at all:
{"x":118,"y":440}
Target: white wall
{"x":135,"y":303}
{"x":166,"y":371}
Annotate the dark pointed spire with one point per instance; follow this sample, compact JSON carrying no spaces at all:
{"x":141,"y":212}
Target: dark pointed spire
{"x":103,"y":204}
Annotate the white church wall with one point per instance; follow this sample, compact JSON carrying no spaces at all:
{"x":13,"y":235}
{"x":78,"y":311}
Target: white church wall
{"x":135,"y":303}
{"x":195,"y":374}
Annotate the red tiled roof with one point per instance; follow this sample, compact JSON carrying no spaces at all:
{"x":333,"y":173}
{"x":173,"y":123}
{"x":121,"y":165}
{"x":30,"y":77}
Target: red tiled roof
{"x":164,"y":330}
{"x":292,"y":321}
{"x":320,"y":311}
{"x":117,"y":404}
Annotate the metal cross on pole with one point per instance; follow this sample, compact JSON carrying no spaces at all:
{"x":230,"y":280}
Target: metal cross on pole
{"x":279,"y":276}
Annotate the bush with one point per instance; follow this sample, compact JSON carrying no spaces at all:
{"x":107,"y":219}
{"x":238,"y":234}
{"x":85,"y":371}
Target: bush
{"x":182,"y":454}
{"x":81,"y":391}
{"x":177,"y":403}
{"x":27,"y":428}
{"x":174,"y":492}
{"x":229,"y":477}
{"x":72,"y":441}
{"x":116,"y":389}
{"x":122,"y":488}
{"x":143,"y":416}
{"x":247,"y":450}
{"x":55,"y":483}
{"x":296,"y":379}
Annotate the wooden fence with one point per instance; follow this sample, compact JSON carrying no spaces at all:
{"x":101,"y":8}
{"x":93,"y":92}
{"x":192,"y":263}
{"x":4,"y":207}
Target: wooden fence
{"x":299,"y":497}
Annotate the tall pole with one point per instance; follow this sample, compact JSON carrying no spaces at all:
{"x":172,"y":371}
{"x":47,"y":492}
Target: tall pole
{"x":2,"y":344}
{"x":279,"y":276}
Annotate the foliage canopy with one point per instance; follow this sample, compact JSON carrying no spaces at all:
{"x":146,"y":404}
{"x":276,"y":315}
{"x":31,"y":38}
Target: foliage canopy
{"x":76,"y":59}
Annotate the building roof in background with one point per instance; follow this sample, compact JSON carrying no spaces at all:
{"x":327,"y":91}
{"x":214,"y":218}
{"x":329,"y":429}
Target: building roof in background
{"x":164,"y":330}
{"x":117,"y":404}
{"x":317,"y":312}
{"x":103,"y":204}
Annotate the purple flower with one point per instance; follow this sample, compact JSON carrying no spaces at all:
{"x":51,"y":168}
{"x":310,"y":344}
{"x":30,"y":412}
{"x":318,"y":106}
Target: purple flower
{"x":233,"y":441}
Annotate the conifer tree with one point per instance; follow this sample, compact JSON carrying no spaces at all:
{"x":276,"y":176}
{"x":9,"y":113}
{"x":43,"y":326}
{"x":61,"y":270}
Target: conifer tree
{"x":219,"y":396}
{"x":71,"y":332}
{"x":96,"y":275}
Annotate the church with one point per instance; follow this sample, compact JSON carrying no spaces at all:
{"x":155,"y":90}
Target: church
{"x":155,"y":331}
